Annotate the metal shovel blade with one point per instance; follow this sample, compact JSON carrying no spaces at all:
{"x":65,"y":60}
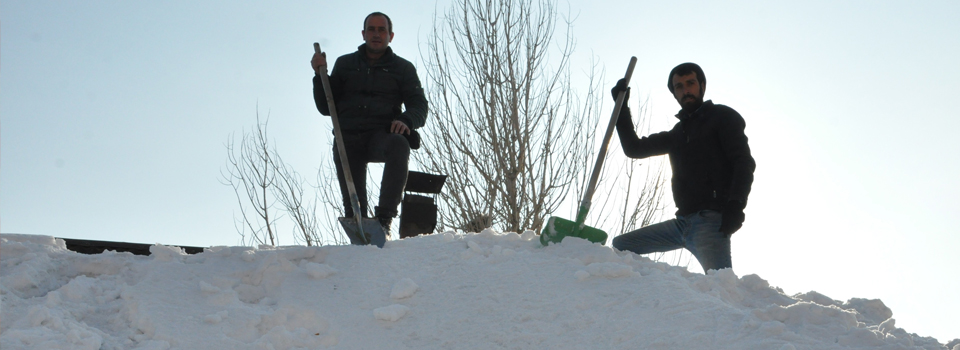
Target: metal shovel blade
{"x":557,"y":229}
{"x":371,"y":229}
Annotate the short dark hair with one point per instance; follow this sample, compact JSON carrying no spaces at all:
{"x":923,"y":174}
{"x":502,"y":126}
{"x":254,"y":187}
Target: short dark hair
{"x":389,"y":23}
{"x":684,"y":69}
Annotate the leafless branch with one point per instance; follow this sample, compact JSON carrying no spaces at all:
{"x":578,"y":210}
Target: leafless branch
{"x":505,"y":119}
{"x":251,"y":175}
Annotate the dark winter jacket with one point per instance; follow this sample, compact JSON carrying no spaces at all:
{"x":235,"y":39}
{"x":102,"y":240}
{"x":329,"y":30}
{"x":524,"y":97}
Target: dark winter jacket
{"x":709,"y":156}
{"x":369,"y":97}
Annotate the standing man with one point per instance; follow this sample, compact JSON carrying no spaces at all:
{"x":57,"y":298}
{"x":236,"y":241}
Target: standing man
{"x":369,"y":86}
{"x":712,"y":173}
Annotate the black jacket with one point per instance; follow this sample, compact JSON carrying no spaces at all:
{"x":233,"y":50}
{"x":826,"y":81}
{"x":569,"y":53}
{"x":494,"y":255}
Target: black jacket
{"x":709,"y":156}
{"x":369,"y":97}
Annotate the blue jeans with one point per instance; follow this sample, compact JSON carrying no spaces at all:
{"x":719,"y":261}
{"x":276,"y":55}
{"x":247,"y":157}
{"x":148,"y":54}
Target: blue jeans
{"x":698,"y":232}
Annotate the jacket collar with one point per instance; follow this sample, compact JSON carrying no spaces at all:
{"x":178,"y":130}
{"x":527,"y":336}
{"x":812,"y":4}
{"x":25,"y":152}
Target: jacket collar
{"x":387,"y":56}
{"x":703,"y":107}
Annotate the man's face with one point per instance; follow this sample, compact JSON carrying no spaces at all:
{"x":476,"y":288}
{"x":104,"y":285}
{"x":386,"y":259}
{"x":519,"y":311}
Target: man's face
{"x":688,"y":91}
{"x":376,"y":34}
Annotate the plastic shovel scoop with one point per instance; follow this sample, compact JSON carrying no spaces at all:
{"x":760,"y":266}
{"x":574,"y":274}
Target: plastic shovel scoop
{"x":556,"y":228}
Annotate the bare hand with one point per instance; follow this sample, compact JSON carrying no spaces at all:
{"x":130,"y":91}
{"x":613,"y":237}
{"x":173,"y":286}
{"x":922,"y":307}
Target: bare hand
{"x":398,"y":127}
{"x":319,"y":61}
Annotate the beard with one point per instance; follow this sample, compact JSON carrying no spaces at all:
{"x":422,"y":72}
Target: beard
{"x":690,"y":103}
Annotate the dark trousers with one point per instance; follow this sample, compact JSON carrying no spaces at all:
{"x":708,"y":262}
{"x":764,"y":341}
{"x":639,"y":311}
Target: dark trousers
{"x":374,"y":146}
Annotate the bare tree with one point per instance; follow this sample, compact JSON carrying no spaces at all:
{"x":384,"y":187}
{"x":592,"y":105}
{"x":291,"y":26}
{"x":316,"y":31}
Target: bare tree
{"x":329,"y":197}
{"x":251,"y":173}
{"x":289,"y":192}
{"x":635,"y":191}
{"x":634,"y":188}
{"x":266,"y":188}
{"x":505,"y":120}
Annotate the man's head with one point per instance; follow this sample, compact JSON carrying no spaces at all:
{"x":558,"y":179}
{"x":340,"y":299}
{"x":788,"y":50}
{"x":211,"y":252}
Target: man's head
{"x":377,"y":33}
{"x":687,"y":83}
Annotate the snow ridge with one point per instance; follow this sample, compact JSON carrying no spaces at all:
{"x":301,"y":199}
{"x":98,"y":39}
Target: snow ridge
{"x":449,"y":290}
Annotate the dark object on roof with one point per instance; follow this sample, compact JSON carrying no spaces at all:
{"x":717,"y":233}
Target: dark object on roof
{"x":424,"y":183}
{"x":96,"y":247}
{"x":419,"y":213}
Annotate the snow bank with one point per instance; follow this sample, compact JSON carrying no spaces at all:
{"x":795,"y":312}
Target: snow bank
{"x":476,"y":291}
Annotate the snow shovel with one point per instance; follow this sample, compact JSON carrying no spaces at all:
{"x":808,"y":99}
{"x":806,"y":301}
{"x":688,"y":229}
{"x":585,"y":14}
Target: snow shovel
{"x":557,"y":228}
{"x":360,"y":230}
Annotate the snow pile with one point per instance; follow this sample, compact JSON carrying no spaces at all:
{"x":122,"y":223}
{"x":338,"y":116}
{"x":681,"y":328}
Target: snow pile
{"x":473,"y":291}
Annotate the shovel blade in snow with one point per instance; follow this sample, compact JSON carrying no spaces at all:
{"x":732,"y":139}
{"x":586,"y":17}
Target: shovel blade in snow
{"x":371,"y":229}
{"x":558,"y":228}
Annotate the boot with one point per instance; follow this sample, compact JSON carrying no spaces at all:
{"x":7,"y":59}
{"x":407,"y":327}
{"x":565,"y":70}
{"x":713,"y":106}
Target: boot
{"x":384,"y":218}
{"x":385,"y":223}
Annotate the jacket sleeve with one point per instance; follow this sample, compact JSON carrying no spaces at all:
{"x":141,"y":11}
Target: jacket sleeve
{"x":733,"y":142}
{"x":414,"y":100}
{"x":634,"y":147}
{"x":319,"y":94}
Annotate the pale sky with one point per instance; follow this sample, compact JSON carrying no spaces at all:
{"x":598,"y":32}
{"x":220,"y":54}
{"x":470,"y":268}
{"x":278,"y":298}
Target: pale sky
{"x":114,"y":116}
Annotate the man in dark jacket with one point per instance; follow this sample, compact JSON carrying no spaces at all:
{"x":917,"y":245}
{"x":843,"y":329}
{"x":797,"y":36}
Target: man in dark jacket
{"x":712,"y":173}
{"x":368,"y":88}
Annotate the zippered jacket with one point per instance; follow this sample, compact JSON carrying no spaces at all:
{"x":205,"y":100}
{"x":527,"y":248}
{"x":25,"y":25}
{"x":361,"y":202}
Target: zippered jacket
{"x":709,"y":156}
{"x":369,"y":96}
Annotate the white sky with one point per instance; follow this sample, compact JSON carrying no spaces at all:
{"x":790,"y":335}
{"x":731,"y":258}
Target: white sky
{"x":114,"y":115}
